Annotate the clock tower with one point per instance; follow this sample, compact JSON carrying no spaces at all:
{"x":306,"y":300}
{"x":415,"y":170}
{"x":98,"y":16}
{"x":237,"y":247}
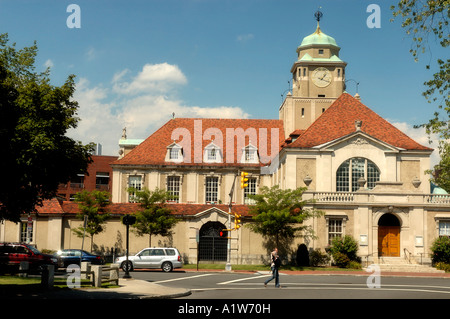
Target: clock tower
{"x":318,"y":79}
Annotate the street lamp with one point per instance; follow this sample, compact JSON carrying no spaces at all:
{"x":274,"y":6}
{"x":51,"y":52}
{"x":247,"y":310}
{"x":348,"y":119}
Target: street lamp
{"x":127,"y":221}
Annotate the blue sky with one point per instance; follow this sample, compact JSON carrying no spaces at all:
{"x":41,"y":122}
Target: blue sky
{"x":137,"y":62}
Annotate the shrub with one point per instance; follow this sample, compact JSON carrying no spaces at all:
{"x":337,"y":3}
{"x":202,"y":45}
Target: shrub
{"x":341,"y":260}
{"x":354,"y":265}
{"x":443,"y":266}
{"x":344,"y":250}
{"x":317,"y":258}
{"x":441,"y":250}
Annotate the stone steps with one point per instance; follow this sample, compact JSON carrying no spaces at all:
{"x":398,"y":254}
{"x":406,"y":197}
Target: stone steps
{"x":399,"y":264}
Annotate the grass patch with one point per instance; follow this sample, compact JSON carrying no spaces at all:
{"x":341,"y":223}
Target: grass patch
{"x":15,"y":285}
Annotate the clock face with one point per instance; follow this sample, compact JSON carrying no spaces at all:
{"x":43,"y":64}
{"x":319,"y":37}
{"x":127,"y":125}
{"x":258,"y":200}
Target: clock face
{"x":321,"y":77}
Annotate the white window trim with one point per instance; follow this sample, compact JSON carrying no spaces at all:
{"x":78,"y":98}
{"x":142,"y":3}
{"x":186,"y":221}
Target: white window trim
{"x":250,"y":201}
{"x":208,"y":148}
{"x":251,"y":149}
{"x":180,"y":191}
{"x":180,"y":153}
{"x":342,"y":217}
{"x":142,"y":176}
{"x":218,"y":188}
{"x":440,"y":219}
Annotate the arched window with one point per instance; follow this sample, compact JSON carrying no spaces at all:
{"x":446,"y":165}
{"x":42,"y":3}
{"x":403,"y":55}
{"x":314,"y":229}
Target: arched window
{"x":353,"y":169}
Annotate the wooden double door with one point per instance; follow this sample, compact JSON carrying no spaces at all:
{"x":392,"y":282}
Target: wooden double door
{"x":389,"y":241}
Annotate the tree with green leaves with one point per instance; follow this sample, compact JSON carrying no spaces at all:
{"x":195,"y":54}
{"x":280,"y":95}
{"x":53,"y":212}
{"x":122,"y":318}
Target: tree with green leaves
{"x":422,"y":19}
{"x":156,"y":217}
{"x":93,"y":205}
{"x":279,"y":214}
{"x":34,"y":118}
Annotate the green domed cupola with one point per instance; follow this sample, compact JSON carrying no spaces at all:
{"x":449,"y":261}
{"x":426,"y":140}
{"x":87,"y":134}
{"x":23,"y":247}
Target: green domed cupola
{"x":318,"y":38}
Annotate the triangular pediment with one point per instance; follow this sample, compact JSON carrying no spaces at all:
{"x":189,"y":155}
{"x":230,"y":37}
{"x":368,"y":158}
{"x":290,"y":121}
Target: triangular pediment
{"x":357,"y":139}
{"x":210,"y":211}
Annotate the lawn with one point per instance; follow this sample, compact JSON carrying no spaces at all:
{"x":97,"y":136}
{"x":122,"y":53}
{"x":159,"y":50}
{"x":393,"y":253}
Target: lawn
{"x":12,"y":285}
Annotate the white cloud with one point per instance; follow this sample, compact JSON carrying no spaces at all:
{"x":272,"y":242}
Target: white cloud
{"x":243,"y":38}
{"x":141,"y":105}
{"x":420,"y":136}
{"x":153,"y":77}
{"x":49,"y":63}
{"x":91,"y":54}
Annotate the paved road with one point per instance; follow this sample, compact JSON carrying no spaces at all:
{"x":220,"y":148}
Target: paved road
{"x":222,"y":285}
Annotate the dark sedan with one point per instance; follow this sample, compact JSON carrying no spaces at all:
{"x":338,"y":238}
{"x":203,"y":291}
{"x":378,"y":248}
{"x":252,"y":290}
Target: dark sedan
{"x":73,"y":256}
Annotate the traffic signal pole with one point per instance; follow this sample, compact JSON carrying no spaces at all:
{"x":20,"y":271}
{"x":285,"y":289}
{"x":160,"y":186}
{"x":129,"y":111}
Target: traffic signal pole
{"x":237,"y":217}
{"x":228,"y":264}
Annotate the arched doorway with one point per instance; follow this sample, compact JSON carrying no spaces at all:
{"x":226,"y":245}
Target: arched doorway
{"x":213,"y":242}
{"x":389,"y":236}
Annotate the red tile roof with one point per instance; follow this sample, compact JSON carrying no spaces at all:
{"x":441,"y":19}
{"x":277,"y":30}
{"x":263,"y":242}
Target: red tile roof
{"x":153,"y":150}
{"x":52,"y":206}
{"x":339,"y":121}
{"x":68,"y":207}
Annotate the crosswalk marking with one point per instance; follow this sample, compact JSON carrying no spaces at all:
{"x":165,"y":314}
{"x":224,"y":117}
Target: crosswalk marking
{"x":175,"y":279}
{"x":241,"y":279}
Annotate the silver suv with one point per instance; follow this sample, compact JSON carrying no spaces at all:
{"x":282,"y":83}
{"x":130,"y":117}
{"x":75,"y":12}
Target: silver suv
{"x":157,"y":257}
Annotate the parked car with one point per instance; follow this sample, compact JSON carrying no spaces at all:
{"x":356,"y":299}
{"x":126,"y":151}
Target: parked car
{"x":157,"y":257}
{"x":11,"y":254}
{"x":67,"y":257}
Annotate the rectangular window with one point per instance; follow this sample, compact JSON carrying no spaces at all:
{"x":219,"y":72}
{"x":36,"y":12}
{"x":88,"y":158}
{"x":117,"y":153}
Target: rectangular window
{"x":250,"y":190}
{"x":26,"y":232}
{"x":320,"y":51}
{"x":444,"y":228}
{"x":212,"y":189}
{"x":136,"y":183}
{"x":212,"y":154}
{"x":249,"y":155}
{"x":334,"y":229}
{"x":102,"y":180}
{"x":174,"y":151}
{"x":77,"y":182}
{"x":173,"y":187}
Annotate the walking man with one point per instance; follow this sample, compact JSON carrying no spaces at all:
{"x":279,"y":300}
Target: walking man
{"x":275,"y":264}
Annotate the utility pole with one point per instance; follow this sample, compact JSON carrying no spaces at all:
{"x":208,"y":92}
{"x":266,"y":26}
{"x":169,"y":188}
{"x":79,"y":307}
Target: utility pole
{"x":228,"y":265}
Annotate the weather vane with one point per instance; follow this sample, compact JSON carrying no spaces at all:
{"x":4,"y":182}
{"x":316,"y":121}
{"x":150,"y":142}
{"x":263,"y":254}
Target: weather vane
{"x":318,"y":14}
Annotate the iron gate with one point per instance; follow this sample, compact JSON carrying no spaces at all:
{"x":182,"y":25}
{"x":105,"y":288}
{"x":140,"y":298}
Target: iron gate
{"x":213,"y":246}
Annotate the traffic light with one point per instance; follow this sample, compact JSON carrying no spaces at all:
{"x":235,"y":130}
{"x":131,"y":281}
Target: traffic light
{"x":237,"y":221}
{"x":223,"y":233}
{"x":244,"y":180}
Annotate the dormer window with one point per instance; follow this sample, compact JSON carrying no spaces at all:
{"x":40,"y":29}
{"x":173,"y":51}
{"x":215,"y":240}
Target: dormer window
{"x":212,"y":154}
{"x":249,"y":154}
{"x":174,"y":153}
